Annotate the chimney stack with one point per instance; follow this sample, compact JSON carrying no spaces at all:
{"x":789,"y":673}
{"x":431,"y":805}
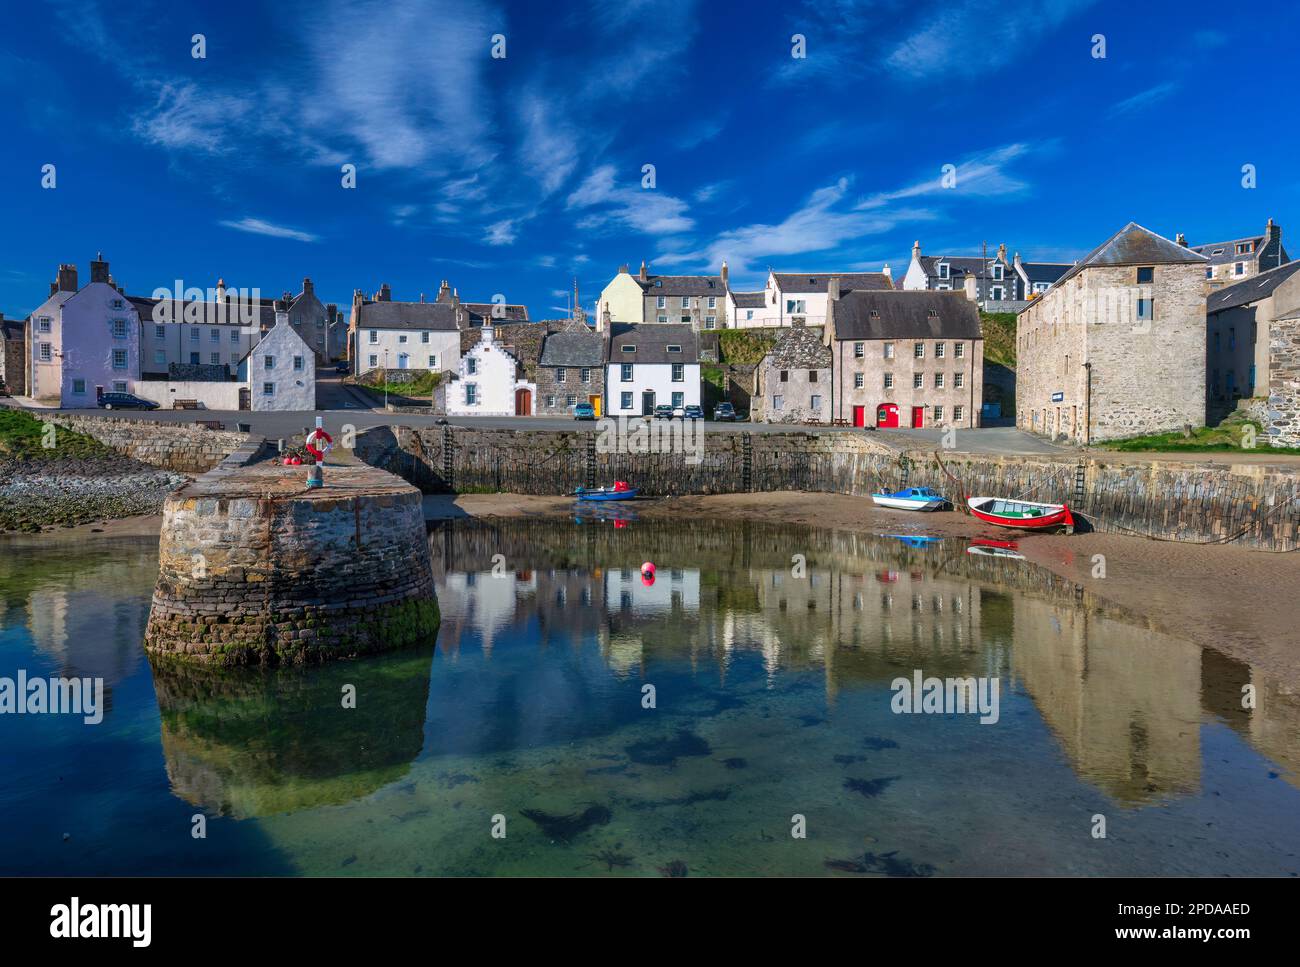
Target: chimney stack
{"x":1273,"y":230}
{"x":444,"y":291}
{"x":221,"y":290}
{"x":385,"y":294}
{"x":307,"y":287}
{"x":724,"y":274}
{"x":622,"y":270}
{"x":645,"y":274}
{"x":67,"y":279}
{"x":1002,"y":252}
{"x":886,"y":272}
{"x":833,"y":288}
{"x":972,"y":288}
{"x":1181,"y":239}
{"x":99,"y":269}
{"x":282,"y":312}
{"x":916,"y":250}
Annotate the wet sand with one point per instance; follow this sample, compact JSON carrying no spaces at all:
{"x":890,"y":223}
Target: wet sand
{"x":1243,"y":603}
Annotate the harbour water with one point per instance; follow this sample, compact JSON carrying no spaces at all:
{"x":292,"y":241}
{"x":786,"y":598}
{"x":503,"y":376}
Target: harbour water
{"x":766,"y":656}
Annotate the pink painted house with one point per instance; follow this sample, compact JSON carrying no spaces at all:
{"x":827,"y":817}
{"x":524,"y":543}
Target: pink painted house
{"x":83,"y":342}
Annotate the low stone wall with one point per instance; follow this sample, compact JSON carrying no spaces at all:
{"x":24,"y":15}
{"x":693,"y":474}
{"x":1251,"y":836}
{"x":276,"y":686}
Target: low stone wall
{"x":209,"y":394}
{"x":1248,"y":505}
{"x":173,"y":446}
{"x":255,"y":569}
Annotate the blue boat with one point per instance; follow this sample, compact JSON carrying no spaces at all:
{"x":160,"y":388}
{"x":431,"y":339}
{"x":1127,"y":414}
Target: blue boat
{"x":911,"y":498}
{"x":603,"y":493}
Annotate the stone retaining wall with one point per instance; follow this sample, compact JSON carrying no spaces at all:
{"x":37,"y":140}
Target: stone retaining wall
{"x":1254,"y":505}
{"x":183,"y":447}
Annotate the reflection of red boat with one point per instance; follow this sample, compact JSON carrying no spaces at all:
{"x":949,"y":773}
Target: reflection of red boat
{"x":985,"y":542}
{"x":887,"y":577}
{"x":1021,"y":514}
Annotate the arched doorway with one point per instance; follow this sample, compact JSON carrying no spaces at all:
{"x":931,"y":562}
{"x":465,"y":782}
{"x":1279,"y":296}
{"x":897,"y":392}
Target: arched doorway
{"x":887,"y":415}
{"x":523,"y":402}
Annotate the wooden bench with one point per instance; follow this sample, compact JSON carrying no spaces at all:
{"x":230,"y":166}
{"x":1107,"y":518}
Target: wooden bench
{"x":185,"y":404}
{"x":210,"y":424}
{"x":840,"y":422}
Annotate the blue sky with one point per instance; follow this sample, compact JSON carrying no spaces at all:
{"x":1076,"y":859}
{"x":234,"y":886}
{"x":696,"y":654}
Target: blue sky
{"x":515,"y":175}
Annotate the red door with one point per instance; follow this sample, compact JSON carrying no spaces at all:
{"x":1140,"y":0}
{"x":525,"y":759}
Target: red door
{"x":918,"y":416}
{"x":523,"y":402}
{"x":887,"y":415}
{"x":859,"y":416}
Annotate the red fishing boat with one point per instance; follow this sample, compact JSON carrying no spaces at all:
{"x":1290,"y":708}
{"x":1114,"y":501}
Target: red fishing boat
{"x":1021,"y":514}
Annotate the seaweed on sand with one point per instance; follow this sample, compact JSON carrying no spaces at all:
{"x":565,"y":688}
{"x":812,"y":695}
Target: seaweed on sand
{"x":612,"y":859}
{"x":562,"y":829}
{"x":666,"y":752}
{"x":870,"y":788}
{"x":890,"y":864}
{"x":675,"y":868}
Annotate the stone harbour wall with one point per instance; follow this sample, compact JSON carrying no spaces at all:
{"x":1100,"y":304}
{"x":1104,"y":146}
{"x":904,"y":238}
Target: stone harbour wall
{"x":1252,"y":505}
{"x":183,"y":447}
{"x":254,"y":569}
{"x":1283,"y":417}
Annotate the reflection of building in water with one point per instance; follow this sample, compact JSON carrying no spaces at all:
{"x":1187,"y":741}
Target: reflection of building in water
{"x":674,"y":590}
{"x":1272,"y":726}
{"x":72,"y":621}
{"x":483,"y":601}
{"x":1123,"y":701}
{"x":245,"y":743}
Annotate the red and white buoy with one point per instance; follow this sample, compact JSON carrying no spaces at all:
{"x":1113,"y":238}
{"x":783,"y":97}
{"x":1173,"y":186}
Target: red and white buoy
{"x":318,"y":443}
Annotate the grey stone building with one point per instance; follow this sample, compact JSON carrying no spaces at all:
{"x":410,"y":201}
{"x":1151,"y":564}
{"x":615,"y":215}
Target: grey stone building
{"x":793,"y":382}
{"x":13,"y":355}
{"x":1283,"y":425}
{"x":1241,"y":258}
{"x":1237,"y":336}
{"x":1116,"y":348}
{"x":571,"y":370}
{"x":905,"y":359}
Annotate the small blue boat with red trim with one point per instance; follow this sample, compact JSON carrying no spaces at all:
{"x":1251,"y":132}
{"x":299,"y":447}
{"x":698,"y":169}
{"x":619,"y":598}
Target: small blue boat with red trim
{"x":620,"y":491}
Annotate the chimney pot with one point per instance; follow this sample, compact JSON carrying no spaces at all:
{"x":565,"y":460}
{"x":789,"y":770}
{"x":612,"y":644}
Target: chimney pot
{"x":833,"y":288}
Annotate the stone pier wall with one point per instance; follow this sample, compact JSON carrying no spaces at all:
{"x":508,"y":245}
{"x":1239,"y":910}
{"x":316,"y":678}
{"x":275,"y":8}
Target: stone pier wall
{"x":1257,"y":506}
{"x":254,"y":569}
{"x":173,"y":446}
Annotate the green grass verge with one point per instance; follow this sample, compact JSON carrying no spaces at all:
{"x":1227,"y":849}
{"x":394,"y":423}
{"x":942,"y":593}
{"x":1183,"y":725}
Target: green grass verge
{"x":23,"y":436}
{"x":744,"y":346}
{"x":1228,"y":436}
{"x":999,"y":337}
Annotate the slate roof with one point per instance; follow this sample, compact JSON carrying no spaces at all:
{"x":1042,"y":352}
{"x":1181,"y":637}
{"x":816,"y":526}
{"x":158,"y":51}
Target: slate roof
{"x":1134,"y":245}
{"x":959,"y":265}
{"x":12,"y":329}
{"x":652,"y":341}
{"x":749,"y":300}
{"x":573,"y":349}
{"x":1045,"y":271}
{"x":210,"y":313}
{"x":1250,"y":290}
{"x":800,"y":348}
{"x":817,"y":281}
{"x":480,"y":311}
{"x":681,"y":284}
{"x":1229,"y":248}
{"x":437,"y":316}
{"x":907,"y":315}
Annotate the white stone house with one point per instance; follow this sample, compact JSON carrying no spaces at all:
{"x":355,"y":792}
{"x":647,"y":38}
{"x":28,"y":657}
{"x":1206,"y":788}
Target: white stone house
{"x":651,"y":364}
{"x":406,"y":335}
{"x":490,"y":382}
{"x":280,"y":371}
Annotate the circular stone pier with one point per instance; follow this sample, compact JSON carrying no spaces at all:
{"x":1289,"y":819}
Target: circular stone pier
{"x":256,"y":569}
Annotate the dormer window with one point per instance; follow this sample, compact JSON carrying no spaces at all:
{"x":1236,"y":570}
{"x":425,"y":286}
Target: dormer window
{"x":997,"y":273}
{"x":674,"y":349}
{"x":1245,"y":248}
{"x":658,"y":282}
{"x":943,"y":270}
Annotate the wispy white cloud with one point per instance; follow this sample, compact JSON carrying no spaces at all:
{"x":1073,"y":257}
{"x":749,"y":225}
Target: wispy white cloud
{"x":982,"y":175}
{"x":647,"y":210}
{"x":258,"y":226}
{"x":1142,"y":99}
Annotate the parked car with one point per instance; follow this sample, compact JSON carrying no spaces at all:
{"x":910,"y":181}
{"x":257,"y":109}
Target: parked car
{"x":125,"y":401}
{"x":724,"y":411}
{"x":679,"y":412}
{"x":663,"y":412}
{"x":342,"y":369}
{"x":584,"y":411}
{"x":694,"y":412}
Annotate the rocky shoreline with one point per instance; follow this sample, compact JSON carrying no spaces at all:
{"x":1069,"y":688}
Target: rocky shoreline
{"x":37,"y":495}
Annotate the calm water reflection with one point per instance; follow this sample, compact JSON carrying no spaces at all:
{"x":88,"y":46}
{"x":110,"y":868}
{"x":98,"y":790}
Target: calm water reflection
{"x":773,"y":699}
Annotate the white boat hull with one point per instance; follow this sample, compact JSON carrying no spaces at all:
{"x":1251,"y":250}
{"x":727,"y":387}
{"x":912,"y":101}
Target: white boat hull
{"x":902,"y":503}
